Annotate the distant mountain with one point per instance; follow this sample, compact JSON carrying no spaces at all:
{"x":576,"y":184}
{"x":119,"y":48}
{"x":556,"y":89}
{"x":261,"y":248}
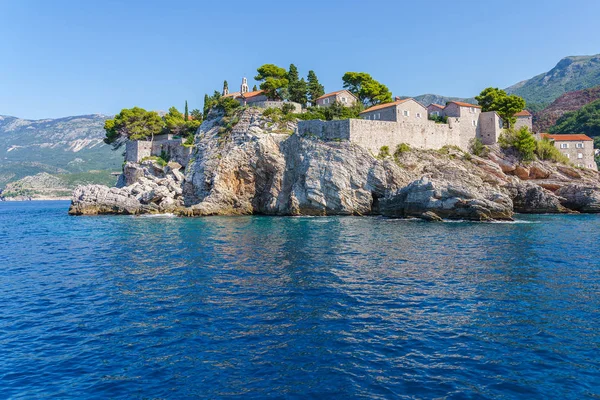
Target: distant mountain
{"x":571,"y":101}
{"x":570,"y":74}
{"x":56,"y":146}
{"x":427,"y":99}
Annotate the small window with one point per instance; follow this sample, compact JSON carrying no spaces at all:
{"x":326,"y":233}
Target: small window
{"x":564,"y":145}
{"x":378,"y":116}
{"x":418,"y":115}
{"x":474,"y":123}
{"x":343,"y":100}
{"x":326,"y":101}
{"x":580,"y":145}
{"x":437,"y":113}
{"x":472,"y":109}
{"x":406,"y":113}
{"x":568,"y":155}
{"x":579,"y":155}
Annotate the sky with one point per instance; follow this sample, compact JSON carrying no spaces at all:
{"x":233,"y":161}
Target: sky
{"x":61,"y":58}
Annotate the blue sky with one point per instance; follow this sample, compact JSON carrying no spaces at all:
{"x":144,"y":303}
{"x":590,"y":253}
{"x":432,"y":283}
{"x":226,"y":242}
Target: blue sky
{"x":60,"y":58}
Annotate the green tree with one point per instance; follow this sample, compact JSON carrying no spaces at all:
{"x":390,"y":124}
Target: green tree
{"x":132,"y":124}
{"x":314,"y":88}
{"x":186,"y":114}
{"x":494,"y":99}
{"x":369,"y":91}
{"x":254,"y":88}
{"x":296,"y":87}
{"x":175,"y":122}
{"x":210,"y":102}
{"x":225,"y":86}
{"x":273,"y":79}
{"x":197,"y":114}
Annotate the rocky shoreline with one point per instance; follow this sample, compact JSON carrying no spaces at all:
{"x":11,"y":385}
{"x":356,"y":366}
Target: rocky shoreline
{"x":252,"y":168}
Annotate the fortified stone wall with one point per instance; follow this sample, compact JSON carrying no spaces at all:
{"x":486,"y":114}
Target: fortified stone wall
{"x":326,"y":130}
{"x":524,"y":121}
{"x":137,"y":150}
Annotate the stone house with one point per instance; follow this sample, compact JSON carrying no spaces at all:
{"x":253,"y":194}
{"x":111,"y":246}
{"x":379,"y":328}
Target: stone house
{"x":257,"y":98}
{"x":169,"y":144}
{"x":579,"y":148}
{"x":344,"y":97}
{"x":524,"y":118}
{"x":435,"y":109}
{"x":404,"y":110}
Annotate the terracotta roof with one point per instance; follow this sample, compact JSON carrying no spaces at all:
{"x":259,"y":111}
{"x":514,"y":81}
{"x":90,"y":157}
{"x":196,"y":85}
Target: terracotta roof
{"x":436,"y":105}
{"x":523,"y":113}
{"x":385,"y":105}
{"x":334,"y":93}
{"x":462,"y":104}
{"x":578,"y":137}
{"x":252,"y":94}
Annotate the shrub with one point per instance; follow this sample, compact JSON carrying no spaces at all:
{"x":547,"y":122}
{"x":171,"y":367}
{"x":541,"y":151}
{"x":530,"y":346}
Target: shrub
{"x":545,"y":150}
{"x":288,"y":108}
{"x":384,"y":152}
{"x":522,"y":141}
{"x":439,"y":119}
{"x":476,"y":147}
{"x":401,"y":148}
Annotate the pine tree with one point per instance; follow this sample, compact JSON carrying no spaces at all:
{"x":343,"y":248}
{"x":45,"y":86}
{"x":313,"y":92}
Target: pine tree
{"x":225,"y":87}
{"x":297,"y":87}
{"x":315,"y":89}
{"x":186,"y":114}
{"x":254,"y":88}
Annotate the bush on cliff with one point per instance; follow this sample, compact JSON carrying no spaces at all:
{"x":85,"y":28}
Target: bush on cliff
{"x":545,"y":150}
{"x":477,"y":148}
{"x":522,"y":141}
{"x":384,"y":152}
{"x":133,"y":124}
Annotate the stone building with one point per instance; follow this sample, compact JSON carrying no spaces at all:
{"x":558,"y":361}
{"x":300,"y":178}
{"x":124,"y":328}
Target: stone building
{"x":169,"y":144}
{"x":405,"y":121}
{"x":578,"y":148}
{"x":435,"y":109}
{"x":344,"y":97}
{"x":524,"y":118}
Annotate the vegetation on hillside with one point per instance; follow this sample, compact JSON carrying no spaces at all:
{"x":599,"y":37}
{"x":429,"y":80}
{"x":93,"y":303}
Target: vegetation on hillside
{"x":585,"y":120}
{"x":494,"y":99}
{"x":368,"y":91}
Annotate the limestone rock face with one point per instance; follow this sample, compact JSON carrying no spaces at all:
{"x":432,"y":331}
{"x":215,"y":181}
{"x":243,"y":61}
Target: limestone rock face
{"x":255,"y":166}
{"x":582,"y":198}
{"x":426,"y":198}
{"x":530,"y":198}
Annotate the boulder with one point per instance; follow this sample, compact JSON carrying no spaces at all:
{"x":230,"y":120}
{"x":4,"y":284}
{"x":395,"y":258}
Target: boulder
{"x":582,"y":198}
{"x":521,"y":172}
{"x":530,"y":198}
{"x":445,"y":200}
{"x":99,"y":199}
{"x":537,"y":171}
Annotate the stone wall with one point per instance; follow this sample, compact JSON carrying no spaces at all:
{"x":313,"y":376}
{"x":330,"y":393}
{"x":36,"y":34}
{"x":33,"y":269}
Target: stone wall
{"x":325,"y":130}
{"x":524,"y":121}
{"x":137,"y":150}
{"x":490,"y":127}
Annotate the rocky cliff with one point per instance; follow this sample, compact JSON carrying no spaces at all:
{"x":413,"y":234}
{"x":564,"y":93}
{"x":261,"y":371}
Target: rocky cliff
{"x":257,"y":167}
{"x":545,"y":119}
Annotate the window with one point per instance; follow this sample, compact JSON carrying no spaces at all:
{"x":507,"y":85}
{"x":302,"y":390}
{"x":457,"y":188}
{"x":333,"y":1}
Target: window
{"x":418,"y":115}
{"x":564,"y":145}
{"x":580,"y":165}
{"x":500,"y":123}
{"x":472,"y":110}
{"x":406,"y":113}
{"x":378,"y":116}
{"x":579,"y":155}
{"x":474,"y":123}
{"x":343,"y":100}
{"x":567,"y":154}
{"x":580,"y":145}
{"x":326,"y":101}
{"x":436,"y":113}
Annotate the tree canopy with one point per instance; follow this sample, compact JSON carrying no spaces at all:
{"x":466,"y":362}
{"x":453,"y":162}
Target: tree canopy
{"x":273,"y":79}
{"x":176,"y":123}
{"x":585,"y":120}
{"x":369,"y":91}
{"x":297,"y":88}
{"x":133,"y":124}
{"x":494,"y":99}
{"x":314,"y":88}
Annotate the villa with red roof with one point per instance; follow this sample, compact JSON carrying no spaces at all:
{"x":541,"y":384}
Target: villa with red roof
{"x":344,"y":97}
{"x":256,"y":98}
{"x":578,"y":148}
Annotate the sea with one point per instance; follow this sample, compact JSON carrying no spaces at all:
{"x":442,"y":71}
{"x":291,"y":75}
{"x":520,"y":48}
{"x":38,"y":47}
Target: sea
{"x":258,"y":307}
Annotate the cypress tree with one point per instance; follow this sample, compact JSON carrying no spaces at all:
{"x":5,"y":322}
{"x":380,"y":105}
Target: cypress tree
{"x":254,"y":88}
{"x":315,"y":89}
{"x":186,"y":114}
{"x":296,"y":87}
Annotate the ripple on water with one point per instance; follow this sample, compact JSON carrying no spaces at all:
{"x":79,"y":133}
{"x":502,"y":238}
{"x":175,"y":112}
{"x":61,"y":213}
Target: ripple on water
{"x":258,"y":307}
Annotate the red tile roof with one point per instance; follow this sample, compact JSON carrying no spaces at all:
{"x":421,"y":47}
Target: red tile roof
{"x":252,"y":94}
{"x":334,"y":93}
{"x":578,"y":137}
{"x":436,"y":105}
{"x":385,"y":105}
{"x":234,"y":94}
{"x":462,"y":104}
{"x":523,"y":113}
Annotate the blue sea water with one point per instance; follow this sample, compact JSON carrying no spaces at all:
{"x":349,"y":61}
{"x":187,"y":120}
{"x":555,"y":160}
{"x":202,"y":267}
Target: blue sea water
{"x":267,"y":307}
